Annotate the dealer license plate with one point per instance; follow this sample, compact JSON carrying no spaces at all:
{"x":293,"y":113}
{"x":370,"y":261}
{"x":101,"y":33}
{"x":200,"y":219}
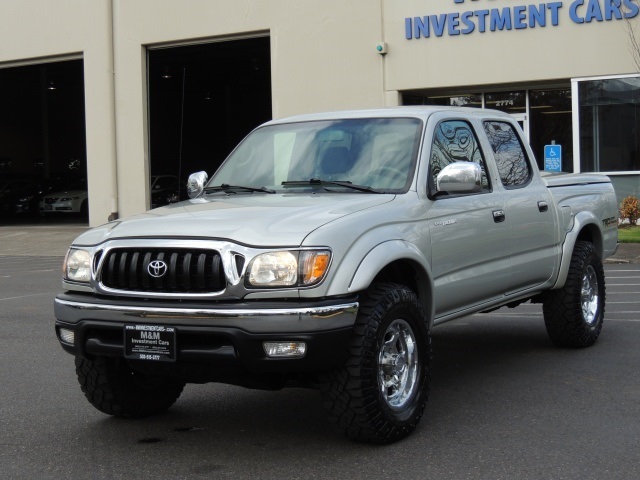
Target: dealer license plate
{"x":150,"y":342}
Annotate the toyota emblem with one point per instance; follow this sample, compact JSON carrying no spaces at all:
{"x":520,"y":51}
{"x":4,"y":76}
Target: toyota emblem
{"x":157,"y":268}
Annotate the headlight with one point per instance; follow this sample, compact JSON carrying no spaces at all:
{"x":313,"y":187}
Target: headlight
{"x":77,"y":266}
{"x":288,"y":268}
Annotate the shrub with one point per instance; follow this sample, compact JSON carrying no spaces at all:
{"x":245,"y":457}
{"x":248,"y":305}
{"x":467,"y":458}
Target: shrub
{"x":629,"y":209}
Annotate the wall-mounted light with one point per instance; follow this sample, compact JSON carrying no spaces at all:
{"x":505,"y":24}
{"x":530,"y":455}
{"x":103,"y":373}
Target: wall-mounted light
{"x":381,"y":48}
{"x":51,"y":86}
{"x":166,"y":74}
{"x":207,"y":96}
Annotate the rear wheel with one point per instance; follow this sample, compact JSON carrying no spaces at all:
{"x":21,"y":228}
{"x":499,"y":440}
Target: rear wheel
{"x":114,"y":388}
{"x":381,"y":392}
{"x":574,"y":314}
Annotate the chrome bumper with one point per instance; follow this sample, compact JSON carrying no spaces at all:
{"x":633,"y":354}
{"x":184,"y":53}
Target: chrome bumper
{"x":260,"y":320}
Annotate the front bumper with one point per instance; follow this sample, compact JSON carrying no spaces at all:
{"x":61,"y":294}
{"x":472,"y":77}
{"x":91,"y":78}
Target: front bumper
{"x":222,"y":336}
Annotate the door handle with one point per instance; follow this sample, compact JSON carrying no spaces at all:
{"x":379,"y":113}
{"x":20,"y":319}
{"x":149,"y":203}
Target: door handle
{"x":543,"y":206}
{"x":498,"y":216}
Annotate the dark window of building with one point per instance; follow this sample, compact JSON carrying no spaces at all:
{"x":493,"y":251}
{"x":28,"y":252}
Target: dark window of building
{"x":609,"y":125}
{"x":204,"y":99}
{"x":546,"y":121}
{"x":42,"y":128}
{"x":462,"y":100}
{"x":550,"y":122}
{"x":43,"y":147}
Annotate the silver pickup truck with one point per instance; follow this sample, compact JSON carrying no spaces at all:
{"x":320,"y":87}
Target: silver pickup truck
{"x":321,"y":254}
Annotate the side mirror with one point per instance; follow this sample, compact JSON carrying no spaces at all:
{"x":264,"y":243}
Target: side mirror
{"x":460,"y":177}
{"x":196,"y":183}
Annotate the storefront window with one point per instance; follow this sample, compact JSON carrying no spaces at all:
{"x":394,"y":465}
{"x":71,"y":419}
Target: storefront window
{"x":550,"y":123}
{"x":609,"y":120}
{"x":463,"y":100}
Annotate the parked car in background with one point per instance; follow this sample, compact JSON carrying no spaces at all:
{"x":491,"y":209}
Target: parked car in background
{"x":165,"y":189}
{"x":11,"y":191}
{"x":73,"y":199}
{"x":23,"y":195}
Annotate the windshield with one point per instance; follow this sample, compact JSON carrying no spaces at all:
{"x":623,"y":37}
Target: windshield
{"x":377,"y":152}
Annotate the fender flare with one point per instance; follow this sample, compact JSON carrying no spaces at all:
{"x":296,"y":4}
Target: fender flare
{"x":385,"y":254}
{"x":581,"y":221}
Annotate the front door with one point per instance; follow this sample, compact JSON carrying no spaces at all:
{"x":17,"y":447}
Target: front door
{"x":469,"y":239}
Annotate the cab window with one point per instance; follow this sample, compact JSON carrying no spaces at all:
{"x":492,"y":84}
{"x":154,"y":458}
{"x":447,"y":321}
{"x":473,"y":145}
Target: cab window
{"x":510,"y":155}
{"x":455,"y":141}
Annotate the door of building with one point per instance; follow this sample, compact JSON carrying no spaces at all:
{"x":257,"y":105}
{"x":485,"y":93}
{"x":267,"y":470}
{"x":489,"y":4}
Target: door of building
{"x":523,"y":121}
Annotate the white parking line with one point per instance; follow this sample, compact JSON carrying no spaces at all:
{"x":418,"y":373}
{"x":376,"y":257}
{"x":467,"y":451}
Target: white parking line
{"x":608,"y":315}
{"x":27,"y":296}
{"x":30,"y":272}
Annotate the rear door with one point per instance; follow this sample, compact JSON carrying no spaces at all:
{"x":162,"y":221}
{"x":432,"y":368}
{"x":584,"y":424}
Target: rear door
{"x":528,"y":208}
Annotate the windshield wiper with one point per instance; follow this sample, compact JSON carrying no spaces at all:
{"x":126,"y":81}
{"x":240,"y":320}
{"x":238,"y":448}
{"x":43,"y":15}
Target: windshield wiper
{"x":336,"y":183}
{"x":225,"y":187}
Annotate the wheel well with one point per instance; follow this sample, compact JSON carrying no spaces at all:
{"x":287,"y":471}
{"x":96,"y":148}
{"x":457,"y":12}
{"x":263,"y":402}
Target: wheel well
{"x":590,"y":233}
{"x":411,"y":275}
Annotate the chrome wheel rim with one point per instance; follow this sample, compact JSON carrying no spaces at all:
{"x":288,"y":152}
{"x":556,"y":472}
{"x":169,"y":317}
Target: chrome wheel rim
{"x":589,"y":297}
{"x":398,"y":365}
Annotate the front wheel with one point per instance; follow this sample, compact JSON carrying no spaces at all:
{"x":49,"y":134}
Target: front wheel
{"x":574,"y":314}
{"x":114,"y":388}
{"x":381,"y":392}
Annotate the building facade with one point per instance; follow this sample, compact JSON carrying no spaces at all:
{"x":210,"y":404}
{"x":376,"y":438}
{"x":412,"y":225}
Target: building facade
{"x":170,"y":86}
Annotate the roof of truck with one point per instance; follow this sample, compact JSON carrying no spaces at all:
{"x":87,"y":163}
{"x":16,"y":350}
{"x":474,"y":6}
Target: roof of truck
{"x":407,"y":111}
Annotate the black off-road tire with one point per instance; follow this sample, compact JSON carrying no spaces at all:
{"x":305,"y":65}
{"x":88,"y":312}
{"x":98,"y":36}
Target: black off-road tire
{"x":390,"y":322}
{"x":114,"y":388}
{"x":574,"y":314}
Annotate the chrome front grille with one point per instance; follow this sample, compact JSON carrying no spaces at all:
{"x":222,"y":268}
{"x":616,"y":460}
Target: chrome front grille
{"x":163,"y":270}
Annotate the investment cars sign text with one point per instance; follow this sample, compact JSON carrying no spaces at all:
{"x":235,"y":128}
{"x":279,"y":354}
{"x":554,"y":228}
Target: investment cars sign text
{"x":518,"y":17}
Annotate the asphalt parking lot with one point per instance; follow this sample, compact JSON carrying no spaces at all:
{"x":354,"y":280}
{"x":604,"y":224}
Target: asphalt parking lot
{"x":505,"y":403}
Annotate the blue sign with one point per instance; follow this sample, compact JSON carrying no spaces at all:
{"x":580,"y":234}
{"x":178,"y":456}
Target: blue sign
{"x":553,"y":158}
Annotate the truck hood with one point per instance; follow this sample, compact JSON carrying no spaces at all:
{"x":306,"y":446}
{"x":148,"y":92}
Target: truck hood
{"x":250,"y":219}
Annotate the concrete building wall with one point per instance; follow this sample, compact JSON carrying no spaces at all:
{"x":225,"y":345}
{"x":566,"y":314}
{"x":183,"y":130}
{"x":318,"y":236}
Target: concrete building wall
{"x":323,"y":57}
{"x":516,"y":55}
{"x":36,"y":31}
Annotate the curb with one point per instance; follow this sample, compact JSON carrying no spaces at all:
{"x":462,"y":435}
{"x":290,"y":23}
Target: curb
{"x":626,"y":253}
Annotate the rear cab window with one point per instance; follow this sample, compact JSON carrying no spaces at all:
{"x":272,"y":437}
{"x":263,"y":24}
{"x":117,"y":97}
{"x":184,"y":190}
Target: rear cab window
{"x":511,"y":158}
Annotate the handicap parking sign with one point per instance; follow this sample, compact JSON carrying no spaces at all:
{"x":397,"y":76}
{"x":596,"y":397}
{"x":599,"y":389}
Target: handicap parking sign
{"x":553,"y":158}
